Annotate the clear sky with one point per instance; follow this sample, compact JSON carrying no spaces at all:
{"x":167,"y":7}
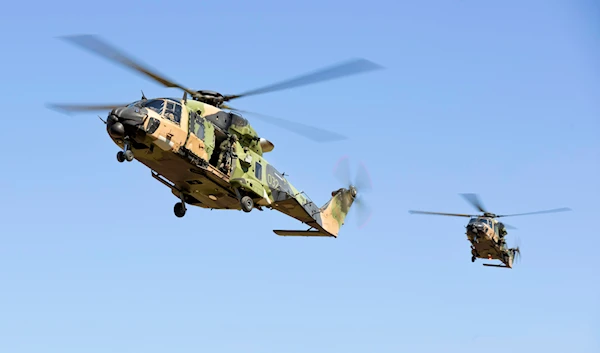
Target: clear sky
{"x":494,"y":98}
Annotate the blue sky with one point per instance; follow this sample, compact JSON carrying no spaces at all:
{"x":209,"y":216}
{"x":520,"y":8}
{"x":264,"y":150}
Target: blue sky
{"x":494,"y":98}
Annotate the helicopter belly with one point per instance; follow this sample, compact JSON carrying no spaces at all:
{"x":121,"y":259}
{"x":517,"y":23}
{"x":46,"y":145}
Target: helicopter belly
{"x":201,"y":190}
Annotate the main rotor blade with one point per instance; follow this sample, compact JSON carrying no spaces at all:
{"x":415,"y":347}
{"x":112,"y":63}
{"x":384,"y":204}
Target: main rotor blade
{"x":99,"y":47}
{"x":350,"y":67}
{"x":508,"y":226}
{"x":474,"y":200}
{"x":71,"y":108}
{"x":563,"y":209}
{"x":310,"y":132}
{"x":442,"y":213}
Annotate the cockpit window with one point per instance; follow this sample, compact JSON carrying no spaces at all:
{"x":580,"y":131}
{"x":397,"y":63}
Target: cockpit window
{"x":133,"y":104}
{"x":155,"y":104}
{"x":173,"y":111}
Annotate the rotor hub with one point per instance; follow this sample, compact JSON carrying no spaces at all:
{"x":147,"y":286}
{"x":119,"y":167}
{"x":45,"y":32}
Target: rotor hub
{"x":209,"y":97}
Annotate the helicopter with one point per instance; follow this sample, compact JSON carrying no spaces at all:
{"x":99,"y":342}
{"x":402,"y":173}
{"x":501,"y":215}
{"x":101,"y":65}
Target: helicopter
{"x":487,"y":235}
{"x":177,"y":140}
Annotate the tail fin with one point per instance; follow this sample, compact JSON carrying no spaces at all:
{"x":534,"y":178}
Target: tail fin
{"x":334,"y":212}
{"x":327,"y":220}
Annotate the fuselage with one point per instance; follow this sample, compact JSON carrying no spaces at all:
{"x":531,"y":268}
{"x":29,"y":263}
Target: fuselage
{"x":482,"y":232}
{"x":185,"y":143}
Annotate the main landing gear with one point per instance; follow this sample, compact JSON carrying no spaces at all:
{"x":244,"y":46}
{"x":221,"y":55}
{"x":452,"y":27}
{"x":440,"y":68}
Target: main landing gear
{"x":179,"y":209}
{"x":126,"y":154}
{"x":247,"y":203}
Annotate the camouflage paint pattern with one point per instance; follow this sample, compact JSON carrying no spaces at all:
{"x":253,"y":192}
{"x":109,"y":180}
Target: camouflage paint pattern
{"x":485,"y":241}
{"x":180,"y":155}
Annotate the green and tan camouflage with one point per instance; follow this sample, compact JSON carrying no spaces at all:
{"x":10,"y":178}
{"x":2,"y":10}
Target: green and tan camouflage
{"x":178,"y":145}
{"x":179,"y":140}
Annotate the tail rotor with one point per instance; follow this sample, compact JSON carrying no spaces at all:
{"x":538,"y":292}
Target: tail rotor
{"x":516,"y":252}
{"x":362,"y":183}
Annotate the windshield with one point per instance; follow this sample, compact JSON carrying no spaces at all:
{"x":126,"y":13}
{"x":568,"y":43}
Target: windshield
{"x":134,"y":103}
{"x":480,"y":220}
{"x":155,"y":104}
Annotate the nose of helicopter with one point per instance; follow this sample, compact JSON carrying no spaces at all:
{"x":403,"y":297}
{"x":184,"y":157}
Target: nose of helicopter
{"x":475,"y":227}
{"x":121,"y":120}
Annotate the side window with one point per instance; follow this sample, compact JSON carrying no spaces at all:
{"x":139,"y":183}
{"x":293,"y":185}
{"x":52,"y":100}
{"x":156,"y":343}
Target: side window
{"x":178,"y":113}
{"x":258,"y":171}
{"x":198,"y":125}
{"x":173,"y":112}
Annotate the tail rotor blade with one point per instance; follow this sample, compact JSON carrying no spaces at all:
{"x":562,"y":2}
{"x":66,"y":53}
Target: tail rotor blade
{"x":342,"y":171}
{"x":363,"y":213}
{"x":363,"y":179}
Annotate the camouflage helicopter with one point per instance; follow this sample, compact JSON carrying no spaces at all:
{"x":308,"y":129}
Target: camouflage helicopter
{"x":487,"y":235}
{"x":177,"y":140}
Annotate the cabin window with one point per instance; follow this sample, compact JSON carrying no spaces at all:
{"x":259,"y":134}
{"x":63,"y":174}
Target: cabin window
{"x":173,"y":112}
{"x":155,"y":104}
{"x":258,"y":171}
{"x":197,"y":125}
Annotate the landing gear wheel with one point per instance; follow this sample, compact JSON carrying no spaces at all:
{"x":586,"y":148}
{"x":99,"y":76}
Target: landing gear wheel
{"x":247,"y":204}
{"x":473,"y":258}
{"x":128,"y":155}
{"x":179,"y":209}
{"x":120,"y":156}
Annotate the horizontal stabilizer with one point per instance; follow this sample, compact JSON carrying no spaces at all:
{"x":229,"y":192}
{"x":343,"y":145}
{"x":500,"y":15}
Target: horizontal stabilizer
{"x":493,"y":265}
{"x":301,"y":233}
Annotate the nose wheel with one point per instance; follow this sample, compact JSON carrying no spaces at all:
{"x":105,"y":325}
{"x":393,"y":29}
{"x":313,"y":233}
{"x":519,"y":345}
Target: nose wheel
{"x":126,"y":154}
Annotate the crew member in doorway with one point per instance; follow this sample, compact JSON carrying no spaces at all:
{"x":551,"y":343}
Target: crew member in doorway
{"x":226,"y":154}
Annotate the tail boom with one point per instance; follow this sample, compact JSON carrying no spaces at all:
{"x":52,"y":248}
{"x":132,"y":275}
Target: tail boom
{"x":326,"y":221}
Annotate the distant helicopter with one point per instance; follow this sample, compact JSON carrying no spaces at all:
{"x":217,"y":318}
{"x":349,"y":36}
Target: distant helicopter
{"x":487,"y":235}
{"x":213,"y":158}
